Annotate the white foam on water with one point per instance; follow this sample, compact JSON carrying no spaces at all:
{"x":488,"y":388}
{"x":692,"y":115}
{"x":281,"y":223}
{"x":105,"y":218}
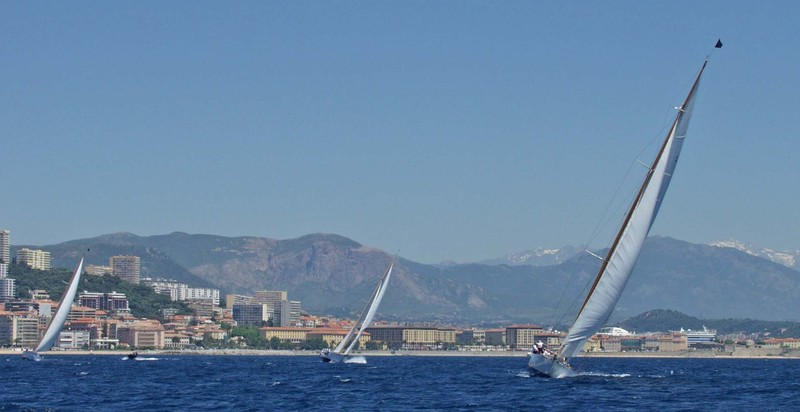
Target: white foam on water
{"x":360,"y":360}
{"x":606,"y":375}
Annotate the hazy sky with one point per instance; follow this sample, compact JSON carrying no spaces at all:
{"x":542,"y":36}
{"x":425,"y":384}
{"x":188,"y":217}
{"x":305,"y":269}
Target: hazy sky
{"x":442,"y":130}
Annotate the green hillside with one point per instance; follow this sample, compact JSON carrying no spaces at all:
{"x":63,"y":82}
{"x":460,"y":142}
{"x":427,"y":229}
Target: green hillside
{"x":666,"y":320}
{"x":142,"y":300}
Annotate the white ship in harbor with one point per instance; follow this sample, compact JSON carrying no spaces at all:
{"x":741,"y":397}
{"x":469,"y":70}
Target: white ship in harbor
{"x":694,"y":337}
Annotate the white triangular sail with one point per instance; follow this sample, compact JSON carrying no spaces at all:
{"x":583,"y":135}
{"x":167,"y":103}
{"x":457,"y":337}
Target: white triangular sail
{"x":367,"y":314}
{"x":373,"y":308}
{"x":57,"y":322}
{"x":622,"y":256}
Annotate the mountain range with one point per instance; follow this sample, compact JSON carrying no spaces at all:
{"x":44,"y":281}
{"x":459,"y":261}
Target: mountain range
{"x":787,"y":258}
{"x":334,"y":275}
{"x":535,"y":257}
{"x":551,"y":256}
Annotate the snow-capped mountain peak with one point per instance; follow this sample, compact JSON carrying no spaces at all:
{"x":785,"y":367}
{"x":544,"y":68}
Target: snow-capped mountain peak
{"x":786,"y":258}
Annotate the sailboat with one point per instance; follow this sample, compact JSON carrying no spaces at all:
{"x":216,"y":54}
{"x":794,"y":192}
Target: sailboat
{"x":623,"y":253}
{"x":57,"y":321}
{"x":343,"y":349}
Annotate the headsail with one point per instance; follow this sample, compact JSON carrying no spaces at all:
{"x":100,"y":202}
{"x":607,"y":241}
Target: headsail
{"x":622,"y":256}
{"x":367,"y":314}
{"x":64,"y":305}
{"x":373,"y":307}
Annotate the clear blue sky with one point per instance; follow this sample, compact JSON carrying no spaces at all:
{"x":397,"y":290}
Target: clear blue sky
{"x":446,"y":130}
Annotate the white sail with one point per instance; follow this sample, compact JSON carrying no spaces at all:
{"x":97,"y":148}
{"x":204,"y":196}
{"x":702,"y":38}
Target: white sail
{"x":366,"y":315}
{"x":57,"y":322}
{"x":372,"y":307}
{"x":622,"y":256}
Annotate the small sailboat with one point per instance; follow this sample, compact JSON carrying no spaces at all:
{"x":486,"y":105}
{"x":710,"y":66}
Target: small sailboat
{"x":343,"y":349}
{"x":623,"y":253}
{"x":57,"y":321}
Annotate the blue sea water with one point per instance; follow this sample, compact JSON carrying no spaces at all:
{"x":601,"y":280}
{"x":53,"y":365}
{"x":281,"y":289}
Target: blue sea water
{"x":266,"y":383}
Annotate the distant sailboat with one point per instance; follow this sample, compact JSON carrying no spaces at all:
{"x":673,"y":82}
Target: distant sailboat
{"x":57,"y":321}
{"x":622,"y":256}
{"x":343,"y":349}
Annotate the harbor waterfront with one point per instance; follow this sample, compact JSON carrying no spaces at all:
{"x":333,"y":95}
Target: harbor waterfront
{"x":742,"y":353}
{"x":164,"y":381}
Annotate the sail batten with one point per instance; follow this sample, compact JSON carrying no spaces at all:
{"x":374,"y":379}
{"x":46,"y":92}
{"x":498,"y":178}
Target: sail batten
{"x":624,"y":251}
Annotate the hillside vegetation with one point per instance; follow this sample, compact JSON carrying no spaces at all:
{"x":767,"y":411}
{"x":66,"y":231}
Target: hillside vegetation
{"x":142,"y":300}
{"x":666,"y":320}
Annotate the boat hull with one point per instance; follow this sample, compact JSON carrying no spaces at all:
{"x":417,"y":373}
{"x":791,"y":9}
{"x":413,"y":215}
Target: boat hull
{"x":548,"y":366}
{"x":31,"y":356}
{"x":332,"y":357}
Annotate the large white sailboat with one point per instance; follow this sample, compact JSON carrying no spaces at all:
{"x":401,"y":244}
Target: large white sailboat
{"x":57,"y":321}
{"x":623,"y":253}
{"x":342,"y":351}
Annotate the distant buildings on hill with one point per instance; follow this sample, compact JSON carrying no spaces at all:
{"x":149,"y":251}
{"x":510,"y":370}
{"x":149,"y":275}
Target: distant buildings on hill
{"x":5,"y":246}
{"x":126,"y":267}
{"x":34,"y":258}
{"x":271,"y":307}
{"x":181,"y":292}
{"x":7,"y":285}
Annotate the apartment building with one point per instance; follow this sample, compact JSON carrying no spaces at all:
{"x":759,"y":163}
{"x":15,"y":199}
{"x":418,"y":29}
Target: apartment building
{"x":5,"y":246}
{"x":522,"y":336}
{"x":126,"y":267}
{"x":34,"y":258}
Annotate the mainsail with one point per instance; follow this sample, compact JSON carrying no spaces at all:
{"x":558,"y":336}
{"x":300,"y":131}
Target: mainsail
{"x":367,"y":314}
{"x":624,"y":252}
{"x":64,"y":305}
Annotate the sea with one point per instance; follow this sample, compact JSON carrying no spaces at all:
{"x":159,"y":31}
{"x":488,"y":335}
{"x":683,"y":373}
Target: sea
{"x":392,"y":383}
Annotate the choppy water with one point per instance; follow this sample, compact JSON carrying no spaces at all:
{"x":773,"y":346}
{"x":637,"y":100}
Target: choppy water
{"x":392,"y":383}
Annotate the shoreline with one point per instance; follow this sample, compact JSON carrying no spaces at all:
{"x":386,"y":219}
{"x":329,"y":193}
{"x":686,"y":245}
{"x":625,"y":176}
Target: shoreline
{"x":744,"y":354}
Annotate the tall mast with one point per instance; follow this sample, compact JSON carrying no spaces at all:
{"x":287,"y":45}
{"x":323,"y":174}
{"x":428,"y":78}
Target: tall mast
{"x":642,"y":189}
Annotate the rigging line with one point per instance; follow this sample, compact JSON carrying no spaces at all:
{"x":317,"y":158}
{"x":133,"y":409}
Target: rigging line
{"x":616,"y":215}
{"x":604,"y":220}
{"x":575,"y":299}
{"x":606,"y":217}
{"x":620,"y":209}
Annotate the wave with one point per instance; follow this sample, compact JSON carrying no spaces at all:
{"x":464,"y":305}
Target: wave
{"x":360,"y":360}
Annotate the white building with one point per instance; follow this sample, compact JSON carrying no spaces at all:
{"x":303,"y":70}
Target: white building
{"x":8,"y":289}
{"x":181,"y":292}
{"x":99,"y":270}
{"x":35,"y":259}
{"x":199,"y":294}
{"x":73,"y":339}
{"x":5,"y":246}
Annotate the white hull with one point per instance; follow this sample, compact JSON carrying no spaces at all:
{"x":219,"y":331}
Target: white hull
{"x":550,"y":367}
{"x":332,"y":357}
{"x":31,"y":356}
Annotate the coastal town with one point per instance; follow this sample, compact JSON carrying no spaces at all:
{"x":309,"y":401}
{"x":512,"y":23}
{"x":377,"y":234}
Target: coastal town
{"x":102,"y":320}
